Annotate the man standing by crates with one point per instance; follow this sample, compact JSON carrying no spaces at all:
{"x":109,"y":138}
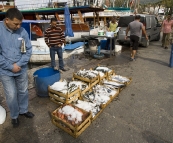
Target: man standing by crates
{"x":54,"y":38}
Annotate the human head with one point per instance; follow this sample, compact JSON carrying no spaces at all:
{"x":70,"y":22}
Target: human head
{"x":113,"y":19}
{"x":169,"y":16}
{"x":137,"y":17}
{"x":53,"y":22}
{"x":13,"y":18}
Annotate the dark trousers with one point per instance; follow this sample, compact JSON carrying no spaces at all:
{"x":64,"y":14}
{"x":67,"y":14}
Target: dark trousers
{"x":59,"y":52}
{"x":134,"y":42}
{"x":108,"y":44}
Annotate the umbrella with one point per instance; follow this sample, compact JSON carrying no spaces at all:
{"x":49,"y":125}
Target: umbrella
{"x":68,"y":28}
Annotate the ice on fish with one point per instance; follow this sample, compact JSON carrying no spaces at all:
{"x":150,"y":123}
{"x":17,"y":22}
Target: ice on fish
{"x":88,"y":106}
{"x":64,"y":87}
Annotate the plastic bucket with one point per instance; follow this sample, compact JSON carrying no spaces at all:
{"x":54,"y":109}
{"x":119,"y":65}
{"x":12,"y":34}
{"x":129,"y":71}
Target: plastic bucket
{"x":44,"y":77}
{"x":93,"y":45}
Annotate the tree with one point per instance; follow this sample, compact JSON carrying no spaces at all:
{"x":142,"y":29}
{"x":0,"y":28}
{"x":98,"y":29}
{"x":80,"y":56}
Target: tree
{"x":169,"y":5}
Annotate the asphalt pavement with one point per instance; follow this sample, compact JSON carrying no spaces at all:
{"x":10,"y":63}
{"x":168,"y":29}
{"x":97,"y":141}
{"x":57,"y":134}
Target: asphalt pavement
{"x":142,"y":113}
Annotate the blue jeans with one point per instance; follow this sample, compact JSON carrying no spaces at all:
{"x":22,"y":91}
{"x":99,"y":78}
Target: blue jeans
{"x":60,"y":56}
{"x":16,"y":92}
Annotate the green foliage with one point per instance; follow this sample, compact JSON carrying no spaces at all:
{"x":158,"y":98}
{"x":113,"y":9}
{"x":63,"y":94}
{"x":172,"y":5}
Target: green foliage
{"x":149,"y":1}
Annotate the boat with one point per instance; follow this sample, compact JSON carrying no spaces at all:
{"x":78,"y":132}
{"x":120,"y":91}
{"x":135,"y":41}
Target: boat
{"x":36,"y":22}
{"x":79,"y":28}
{"x":40,"y":50}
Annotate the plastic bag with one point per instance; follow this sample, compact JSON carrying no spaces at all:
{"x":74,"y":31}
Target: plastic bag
{"x":2,"y":115}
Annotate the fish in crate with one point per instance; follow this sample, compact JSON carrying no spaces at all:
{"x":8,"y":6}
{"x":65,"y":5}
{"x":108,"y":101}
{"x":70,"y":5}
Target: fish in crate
{"x":81,"y":84}
{"x":113,"y":84}
{"x":107,"y":71}
{"x":97,"y":99}
{"x":120,"y":79}
{"x":106,"y":90}
{"x":71,"y":119}
{"x":90,"y":76}
{"x":64,"y":92}
{"x":88,"y":106}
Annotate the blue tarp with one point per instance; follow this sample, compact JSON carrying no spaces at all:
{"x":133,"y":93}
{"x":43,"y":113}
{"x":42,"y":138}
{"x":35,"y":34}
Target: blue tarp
{"x":73,"y":46}
{"x":68,"y":28}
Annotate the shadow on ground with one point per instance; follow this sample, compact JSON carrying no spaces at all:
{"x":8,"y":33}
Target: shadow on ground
{"x":152,"y":138}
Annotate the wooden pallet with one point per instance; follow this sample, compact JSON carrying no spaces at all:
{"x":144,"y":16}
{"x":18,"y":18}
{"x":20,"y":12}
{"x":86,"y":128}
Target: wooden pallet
{"x":76,"y":130}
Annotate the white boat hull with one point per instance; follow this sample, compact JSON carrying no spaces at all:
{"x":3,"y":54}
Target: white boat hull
{"x":45,"y":58}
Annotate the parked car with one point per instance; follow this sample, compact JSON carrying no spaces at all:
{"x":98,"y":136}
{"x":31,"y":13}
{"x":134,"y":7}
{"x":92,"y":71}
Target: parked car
{"x":152,"y":27}
{"x":161,"y":17}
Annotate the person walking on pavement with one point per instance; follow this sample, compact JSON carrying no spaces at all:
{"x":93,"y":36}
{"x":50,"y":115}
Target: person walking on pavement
{"x":167,"y":25}
{"x":54,"y":38}
{"x":136,"y":28}
{"x":13,"y":64}
{"x":112,"y":26}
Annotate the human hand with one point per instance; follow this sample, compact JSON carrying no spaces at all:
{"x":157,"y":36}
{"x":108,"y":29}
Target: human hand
{"x":146,"y":37}
{"x":16,"y":68}
{"x":125,"y":37}
{"x":59,"y":45}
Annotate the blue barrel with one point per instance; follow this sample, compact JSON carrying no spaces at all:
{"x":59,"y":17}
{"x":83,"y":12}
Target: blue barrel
{"x":44,"y":77}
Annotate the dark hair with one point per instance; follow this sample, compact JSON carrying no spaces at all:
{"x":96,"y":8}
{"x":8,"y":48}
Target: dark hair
{"x":14,"y":13}
{"x":53,"y":19}
{"x":137,"y":17}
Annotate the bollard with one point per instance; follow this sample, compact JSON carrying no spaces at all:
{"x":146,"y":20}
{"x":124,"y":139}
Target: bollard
{"x":171,"y":58}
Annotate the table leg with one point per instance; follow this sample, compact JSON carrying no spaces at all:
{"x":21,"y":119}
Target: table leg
{"x":114,"y":47}
{"x":110,"y":47}
{"x":84,"y":46}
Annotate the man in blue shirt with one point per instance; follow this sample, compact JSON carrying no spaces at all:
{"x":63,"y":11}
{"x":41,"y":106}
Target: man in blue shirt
{"x":13,"y":64}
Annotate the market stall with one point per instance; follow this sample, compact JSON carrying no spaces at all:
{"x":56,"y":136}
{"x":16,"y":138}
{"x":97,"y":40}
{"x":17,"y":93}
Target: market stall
{"x":88,"y":37}
{"x":85,"y":97}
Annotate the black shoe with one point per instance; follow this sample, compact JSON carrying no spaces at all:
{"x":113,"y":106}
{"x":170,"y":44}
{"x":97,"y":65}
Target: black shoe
{"x":63,"y":70}
{"x":15,"y":122}
{"x":132,"y":59}
{"x":28,"y":114}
